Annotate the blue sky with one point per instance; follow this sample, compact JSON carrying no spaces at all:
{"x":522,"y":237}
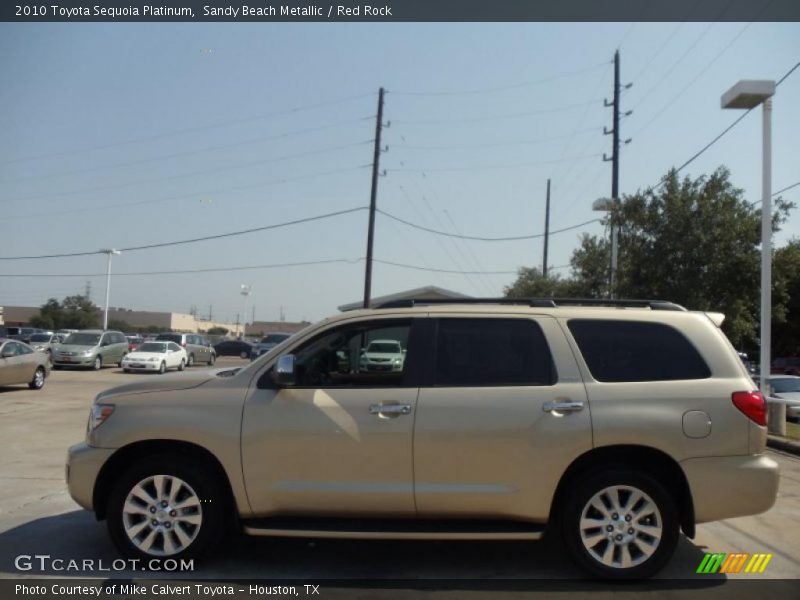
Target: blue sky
{"x":120,"y":135}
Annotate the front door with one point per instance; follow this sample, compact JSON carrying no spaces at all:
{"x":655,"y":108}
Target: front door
{"x":502,"y":415}
{"x":337,"y":442}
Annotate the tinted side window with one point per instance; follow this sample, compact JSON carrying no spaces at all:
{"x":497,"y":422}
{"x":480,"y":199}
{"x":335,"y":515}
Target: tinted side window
{"x":24,"y":350}
{"x":636,"y":351}
{"x":492,"y":352}
{"x":359,"y":355}
{"x":169,"y":337}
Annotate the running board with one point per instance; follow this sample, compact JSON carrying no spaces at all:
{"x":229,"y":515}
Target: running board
{"x":394,"y":529}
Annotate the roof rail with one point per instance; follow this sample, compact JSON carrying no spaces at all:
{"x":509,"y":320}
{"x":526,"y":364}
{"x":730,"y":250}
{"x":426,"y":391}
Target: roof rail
{"x":537,"y":302}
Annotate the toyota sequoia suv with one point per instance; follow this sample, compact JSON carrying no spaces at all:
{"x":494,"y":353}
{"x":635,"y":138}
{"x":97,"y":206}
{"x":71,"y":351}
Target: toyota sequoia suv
{"x":612,"y":425}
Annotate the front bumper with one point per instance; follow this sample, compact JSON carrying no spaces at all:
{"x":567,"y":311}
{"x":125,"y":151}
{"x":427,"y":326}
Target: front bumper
{"x":723,"y":487}
{"x":83,"y":466}
{"x":142,"y":366}
{"x":74,"y":361}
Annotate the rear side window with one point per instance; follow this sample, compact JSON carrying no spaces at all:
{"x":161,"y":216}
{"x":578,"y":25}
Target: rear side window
{"x":492,"y":352}
{"x":617,"y":351}
{"x":170,"y":337}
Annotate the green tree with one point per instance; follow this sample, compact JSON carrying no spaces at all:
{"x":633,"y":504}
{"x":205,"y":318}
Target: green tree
{"x":692,"y":241}
{"x":74,"y":312}
{"x":786,"y":300}
{"x":217,"y":331}
{"x":531,"y":283}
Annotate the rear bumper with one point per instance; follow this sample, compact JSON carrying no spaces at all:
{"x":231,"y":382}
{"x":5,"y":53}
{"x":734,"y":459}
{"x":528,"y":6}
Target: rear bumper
{"x":731,"y":486}
{"x":83,"y":466}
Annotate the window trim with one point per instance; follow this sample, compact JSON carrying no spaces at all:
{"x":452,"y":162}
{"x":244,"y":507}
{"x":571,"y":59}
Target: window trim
{"x":431,"y":379}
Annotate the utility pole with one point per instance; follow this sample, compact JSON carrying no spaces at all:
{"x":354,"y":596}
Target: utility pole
{"x":546,"y":230}
{"x":253,"y":320}
{"x":614,"y":158}
{"x":87,"y":293}
{"x":210,"y":312}
{"x":372,"y":200}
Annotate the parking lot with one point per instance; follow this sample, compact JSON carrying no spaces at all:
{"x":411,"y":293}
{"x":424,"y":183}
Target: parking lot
{"x":37,"y":515}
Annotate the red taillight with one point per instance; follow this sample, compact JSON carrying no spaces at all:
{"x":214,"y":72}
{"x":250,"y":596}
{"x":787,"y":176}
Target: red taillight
{"x":753,"y":406}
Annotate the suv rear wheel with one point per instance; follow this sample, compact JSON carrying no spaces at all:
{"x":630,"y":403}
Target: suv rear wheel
{"x":165,"y":508}
{"x":620,"y":524}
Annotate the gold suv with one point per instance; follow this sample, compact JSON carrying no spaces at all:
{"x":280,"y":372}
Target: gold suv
{"x":612,"y":427}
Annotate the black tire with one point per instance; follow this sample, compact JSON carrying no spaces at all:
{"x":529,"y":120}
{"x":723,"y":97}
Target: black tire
{"x":163,"y":368}
{"x":126,"y":370}
{"x":182,"y":366}
{"x":56,"y":367}
{"x":577,"y":500}
{"x":98,"y":363}
{"x":243,"y":354}
{"x":190,"y":363}
{"x":212,"y":508}
{"x":37,"y":382}
{"x":211,"y":359}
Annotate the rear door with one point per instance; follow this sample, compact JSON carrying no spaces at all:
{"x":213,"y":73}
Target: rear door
{"x":502,"y":414}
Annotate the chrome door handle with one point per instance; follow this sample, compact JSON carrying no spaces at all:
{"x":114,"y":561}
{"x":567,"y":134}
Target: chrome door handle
{"x":562,"y":407}
{"x":390,"y":409}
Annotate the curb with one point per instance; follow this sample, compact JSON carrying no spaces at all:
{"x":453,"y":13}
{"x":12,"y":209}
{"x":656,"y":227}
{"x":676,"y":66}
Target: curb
{"x":783,"y":444}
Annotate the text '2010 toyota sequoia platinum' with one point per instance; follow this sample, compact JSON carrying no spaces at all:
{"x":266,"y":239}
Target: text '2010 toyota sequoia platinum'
{"x":612,"y":427}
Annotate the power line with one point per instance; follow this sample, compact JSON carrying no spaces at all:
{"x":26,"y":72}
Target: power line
{"x":513,"y":86}
{"x":256,"y":267}
{"x":197,"y":239}
{"x":239,"y":144}
{"x":418,"y":268}
{"x":546,"y":111}
{"x":480,"y":238}
{"x":695,"y":78}
{"x":697,"y":154}
{"x":183,"y":175}
{"x":493,"y":144}
{"x":191,"y":129}
{"x":206,"y":193}
{"x":491,"y":167}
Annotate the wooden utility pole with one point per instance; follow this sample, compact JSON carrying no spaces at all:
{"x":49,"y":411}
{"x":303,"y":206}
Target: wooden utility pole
{"x":372,"y":200}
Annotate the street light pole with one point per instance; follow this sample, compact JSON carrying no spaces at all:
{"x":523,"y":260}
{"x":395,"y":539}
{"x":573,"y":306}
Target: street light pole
{"x":246,"y":290}
{"x":749,"y":94}
{"x":109,"y":252}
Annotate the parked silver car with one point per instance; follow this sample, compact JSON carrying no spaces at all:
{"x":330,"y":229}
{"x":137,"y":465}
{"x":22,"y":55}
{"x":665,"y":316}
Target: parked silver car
{"x":92,"y":348}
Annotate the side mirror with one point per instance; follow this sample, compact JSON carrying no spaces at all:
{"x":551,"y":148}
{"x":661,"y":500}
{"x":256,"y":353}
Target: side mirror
{"x":7,"y":354}
{"x":284,"y":370}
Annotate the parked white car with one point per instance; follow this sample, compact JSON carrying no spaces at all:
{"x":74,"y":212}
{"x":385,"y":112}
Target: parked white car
{"x":383,"y":355}
{"x":155,"y":356}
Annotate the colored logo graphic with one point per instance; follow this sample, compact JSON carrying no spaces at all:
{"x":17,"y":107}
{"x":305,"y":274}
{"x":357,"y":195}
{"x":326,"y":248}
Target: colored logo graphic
{"x":740,"y":562}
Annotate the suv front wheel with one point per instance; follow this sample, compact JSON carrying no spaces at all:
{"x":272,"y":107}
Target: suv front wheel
{"x":620,"y":524}
{"x":165,"y":508}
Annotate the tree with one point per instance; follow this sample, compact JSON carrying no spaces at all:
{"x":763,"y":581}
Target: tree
{"x":217,"y":331}
{"x":694,"y":242}
{"x":786,"y":300}
{"x":531,"y":283}
{"x":74,"y":312}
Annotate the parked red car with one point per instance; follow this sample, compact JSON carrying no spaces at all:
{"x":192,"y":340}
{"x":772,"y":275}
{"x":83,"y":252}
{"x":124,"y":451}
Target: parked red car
{"x":134,"y":341}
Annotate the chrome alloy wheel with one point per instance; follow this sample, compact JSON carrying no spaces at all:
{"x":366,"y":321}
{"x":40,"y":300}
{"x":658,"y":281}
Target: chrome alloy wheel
{"x":621,"y":527}
{"x":162,"y":515}
{"x":38,"y":378}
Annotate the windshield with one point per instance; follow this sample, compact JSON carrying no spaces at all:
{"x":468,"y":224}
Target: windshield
{"x":40,"y":337}
{"x":83,"y":339}
{"x":275,"y":338}
{"x":152,"y":347}
{"x":782,"y":386}
{"x":386,"y":347}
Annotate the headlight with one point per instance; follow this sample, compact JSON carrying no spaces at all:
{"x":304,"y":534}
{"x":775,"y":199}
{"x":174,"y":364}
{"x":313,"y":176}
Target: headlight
{"x":87,"y":352}
{"x":99,"y":414}
{"x":152,"y":359}
{"x":397,"y":361}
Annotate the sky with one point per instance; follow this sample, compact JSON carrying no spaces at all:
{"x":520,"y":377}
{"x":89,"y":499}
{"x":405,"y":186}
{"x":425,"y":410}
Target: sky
{"x":122,"y":135}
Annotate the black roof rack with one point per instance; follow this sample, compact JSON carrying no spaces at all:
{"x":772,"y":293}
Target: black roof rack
{"x":537,"y":302}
